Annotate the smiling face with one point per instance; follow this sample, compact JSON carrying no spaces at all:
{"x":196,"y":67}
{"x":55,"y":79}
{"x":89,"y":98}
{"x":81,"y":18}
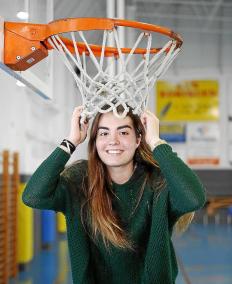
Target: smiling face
{"x":116,"y":140}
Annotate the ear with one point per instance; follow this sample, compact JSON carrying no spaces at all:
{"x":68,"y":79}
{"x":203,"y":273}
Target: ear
{"x":138,"y":140}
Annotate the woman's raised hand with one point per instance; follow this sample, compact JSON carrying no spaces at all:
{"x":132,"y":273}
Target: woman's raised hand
{"x":78,"y":132}
{"x":151,"y":125}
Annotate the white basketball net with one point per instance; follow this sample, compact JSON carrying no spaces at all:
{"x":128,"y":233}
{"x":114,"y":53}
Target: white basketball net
{"x":125,"y":88}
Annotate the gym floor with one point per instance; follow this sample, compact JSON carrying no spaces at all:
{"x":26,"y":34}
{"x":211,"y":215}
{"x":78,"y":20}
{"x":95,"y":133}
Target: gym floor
{"x":204,"y":254}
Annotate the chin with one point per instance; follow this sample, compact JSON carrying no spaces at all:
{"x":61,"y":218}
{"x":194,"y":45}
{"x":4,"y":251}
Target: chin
{"x":117,"y":163}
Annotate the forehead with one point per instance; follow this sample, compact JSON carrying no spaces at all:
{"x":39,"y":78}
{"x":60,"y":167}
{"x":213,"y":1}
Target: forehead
{"x":109,"y":119}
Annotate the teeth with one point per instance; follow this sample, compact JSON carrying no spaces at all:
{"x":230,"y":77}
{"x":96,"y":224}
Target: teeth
{"x":114,"y":151}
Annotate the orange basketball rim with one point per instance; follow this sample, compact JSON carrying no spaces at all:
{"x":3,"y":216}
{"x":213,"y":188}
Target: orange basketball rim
{"x":25,"y":44}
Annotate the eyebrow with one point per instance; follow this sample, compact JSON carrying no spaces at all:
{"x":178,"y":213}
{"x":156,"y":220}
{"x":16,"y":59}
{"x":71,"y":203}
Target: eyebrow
{"x":120,"y":127}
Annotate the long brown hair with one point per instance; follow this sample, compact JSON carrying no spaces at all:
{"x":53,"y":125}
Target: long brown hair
{"x":104,"y":220}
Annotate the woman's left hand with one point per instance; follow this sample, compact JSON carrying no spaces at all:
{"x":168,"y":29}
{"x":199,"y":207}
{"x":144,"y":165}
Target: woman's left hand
{"x":151,"y":125}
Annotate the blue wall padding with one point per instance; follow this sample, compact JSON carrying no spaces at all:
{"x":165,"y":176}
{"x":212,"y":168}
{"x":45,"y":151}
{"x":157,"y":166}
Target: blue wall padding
{"x":48,"y":220}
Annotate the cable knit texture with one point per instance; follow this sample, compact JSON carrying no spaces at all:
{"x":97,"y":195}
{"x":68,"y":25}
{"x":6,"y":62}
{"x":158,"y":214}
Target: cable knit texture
{"x":149,"y":226}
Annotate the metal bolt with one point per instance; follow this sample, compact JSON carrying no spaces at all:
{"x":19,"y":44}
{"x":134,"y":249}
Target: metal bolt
{"x":147,"y":34}
{"x":18,"y":57}
{"x":33,"y":48}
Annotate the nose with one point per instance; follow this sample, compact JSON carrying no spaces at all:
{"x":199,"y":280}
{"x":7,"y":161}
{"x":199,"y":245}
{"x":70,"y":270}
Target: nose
{"x":114,"y":139}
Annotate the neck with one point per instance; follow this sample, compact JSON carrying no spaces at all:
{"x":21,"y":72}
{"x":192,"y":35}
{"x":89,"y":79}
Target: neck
{"x":121,"y":174}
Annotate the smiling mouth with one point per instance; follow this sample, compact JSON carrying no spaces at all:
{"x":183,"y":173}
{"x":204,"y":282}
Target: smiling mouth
{"x":114,"y":151}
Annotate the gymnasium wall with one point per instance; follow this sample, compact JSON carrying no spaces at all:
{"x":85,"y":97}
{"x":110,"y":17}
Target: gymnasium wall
{"x":34,"y":127}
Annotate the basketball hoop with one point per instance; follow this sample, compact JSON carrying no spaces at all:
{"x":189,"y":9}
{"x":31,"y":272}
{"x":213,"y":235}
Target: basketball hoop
{"x":98,"y":86}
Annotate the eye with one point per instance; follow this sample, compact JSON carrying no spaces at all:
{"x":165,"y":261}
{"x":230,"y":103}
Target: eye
{"x":103,"y":133}
{"x":124,"y":132}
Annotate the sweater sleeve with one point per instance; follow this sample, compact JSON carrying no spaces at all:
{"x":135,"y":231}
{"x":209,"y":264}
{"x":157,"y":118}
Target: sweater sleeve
{"x":46,"y":187}
{"x":186,"y":192}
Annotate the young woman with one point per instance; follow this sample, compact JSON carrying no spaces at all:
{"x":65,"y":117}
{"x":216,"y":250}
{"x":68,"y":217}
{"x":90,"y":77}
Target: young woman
{"x":122,"y":204}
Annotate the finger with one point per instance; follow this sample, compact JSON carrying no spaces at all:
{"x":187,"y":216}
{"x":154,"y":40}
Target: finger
{"x":149,"y":112}
{"x":79,"y":108}
{"x":84,"y":127}
{"x":143,"y":119}
{"x":76,"y":116}
{"x":77,"y":111}
{"x":143,"y":116}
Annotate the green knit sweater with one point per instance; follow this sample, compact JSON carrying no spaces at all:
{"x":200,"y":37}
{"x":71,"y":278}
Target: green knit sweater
{"x":149,"y":227}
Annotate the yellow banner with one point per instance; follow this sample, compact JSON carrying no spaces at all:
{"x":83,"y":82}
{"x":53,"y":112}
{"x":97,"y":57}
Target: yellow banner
{"x":196,"y":100}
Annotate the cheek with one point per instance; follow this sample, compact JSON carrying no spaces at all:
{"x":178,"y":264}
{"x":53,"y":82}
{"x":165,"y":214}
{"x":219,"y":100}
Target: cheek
{"x":99,"y":145}
{"x":131,"y":143}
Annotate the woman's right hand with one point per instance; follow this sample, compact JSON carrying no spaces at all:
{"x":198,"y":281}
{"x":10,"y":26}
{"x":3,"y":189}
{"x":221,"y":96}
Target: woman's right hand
{"x":77,"y":132}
